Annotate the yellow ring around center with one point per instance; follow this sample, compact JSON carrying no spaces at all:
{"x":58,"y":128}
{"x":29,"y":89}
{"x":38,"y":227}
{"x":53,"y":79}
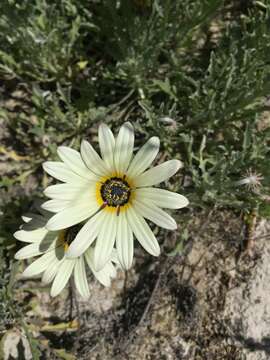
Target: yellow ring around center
{"x":114,"y":209}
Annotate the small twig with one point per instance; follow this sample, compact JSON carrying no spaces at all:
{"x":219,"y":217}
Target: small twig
{"x":197,"y":236}
{"x":153,"y":294}
{"x":261,"y":237}
{"x":116,"y":105}
{"x":205,"y":224}
{"x":126,"y":110}
{"x":70,"y":315}
{"x":73,"y":300}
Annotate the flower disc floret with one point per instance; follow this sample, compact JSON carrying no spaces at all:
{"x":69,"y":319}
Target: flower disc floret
{"x":115,"y":192}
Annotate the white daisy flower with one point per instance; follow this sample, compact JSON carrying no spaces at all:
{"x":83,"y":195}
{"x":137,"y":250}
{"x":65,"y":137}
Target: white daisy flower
{"x":114,"y":192}
{"x":51,"y":247}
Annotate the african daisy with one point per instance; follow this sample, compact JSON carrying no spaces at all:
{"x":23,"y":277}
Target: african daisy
{"x":114,"y":192}
{"x":51,"y":248}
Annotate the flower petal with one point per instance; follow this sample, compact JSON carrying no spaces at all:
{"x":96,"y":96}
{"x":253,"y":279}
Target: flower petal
{"x":162,"y":198}
{"x":92,"y":159}
{"x":124,"y":242}
{"x":157,"y":174}
{"x":123,"y":148}
{"x":86,"y":235}
{"x":72,"y":215}
{"x":73,"y":160}
{"x":33,"y":222}
{"x":62,"y":276}
{"x":39,"y":265}
{"x":144,"y":157}
{"x":61,"y":171}
{"x":28,"y":251}
{"x":69,"y":191}
{"x":50,"y":273}
{"x":153,"y":213}
{"x":26,"y":218}
{"x":114,"y":257}
{"x":80,"y":278}
{"x":105,"y":241}
{"x":143,"y":232}
{"x":107,"y":144}
{"x":56,"y":205}
{"x":104,"y":275}
{"x":31,"y":236}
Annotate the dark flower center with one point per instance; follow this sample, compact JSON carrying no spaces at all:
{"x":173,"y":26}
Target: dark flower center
{"x":115,"y":192}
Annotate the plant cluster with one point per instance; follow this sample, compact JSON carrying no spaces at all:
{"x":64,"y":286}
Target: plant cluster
{"x":194,"y":73}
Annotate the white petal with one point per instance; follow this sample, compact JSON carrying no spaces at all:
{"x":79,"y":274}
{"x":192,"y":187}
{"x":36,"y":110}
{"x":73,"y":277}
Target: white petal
{"x":80,"y":278}
{"x":144,"y":157}
{"x":69,"y":191}
{"x":36,"y":222}
{"x":31,"y":236}
{"x":103,"y":276}
{"x":124,"y":242}
{"x":114,"y":257}
{"x":62,"y":276}
{"x":162,"y":198}
{"x":123,"y":148}
{"x":107,"y":144}
{"x":158,"y":173}
{"x":56,"y":205}
{"x":93,"y":160}
{"x":26,"y":218}
{"x":110,"y":269}
{"x":105,"y":241}
{"x":73,"y":160}
{"x":61,"y":171}
{"x":143,"y":232}
{"x":86,"y":235}
{"x":39,"y":265}
{"x":72,"y":216}
{"x":28,"y":251}
{"x":50,"y":273}
{"x":153,"y":213}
